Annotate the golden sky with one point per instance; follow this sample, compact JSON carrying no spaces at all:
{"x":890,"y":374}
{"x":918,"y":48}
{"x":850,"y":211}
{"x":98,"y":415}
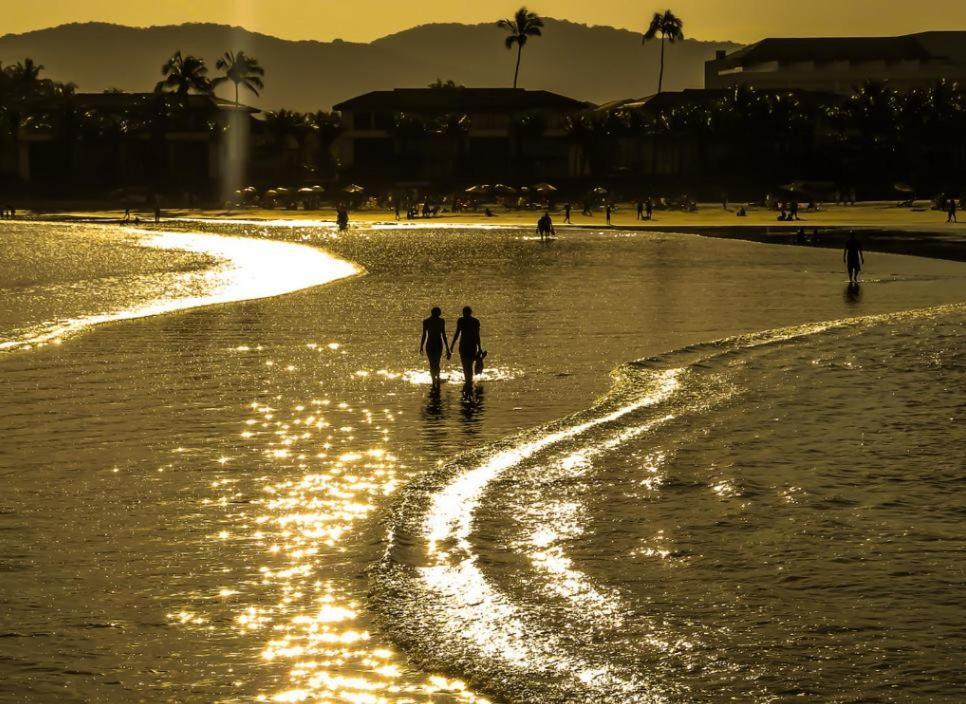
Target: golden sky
{"x":363,"y":20}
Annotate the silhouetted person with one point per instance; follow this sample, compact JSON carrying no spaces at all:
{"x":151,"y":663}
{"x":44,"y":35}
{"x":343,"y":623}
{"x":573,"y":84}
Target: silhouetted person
{"x":793,"y":211}
{"x":468,"y":334}
{"x":545,"y":227}
{"x":951,"y":210}
{"x":587,"y":210}
{"x":853,"y":257}
{"x":434,"y":341}
{"x":607,"y":212}
{"x":567,"y":213}
{"x":342,"y":218}
{"x":127,"y":215}
{"x":640,"y":210}
{"x":649,"y":209}
{"x":157,"y":213}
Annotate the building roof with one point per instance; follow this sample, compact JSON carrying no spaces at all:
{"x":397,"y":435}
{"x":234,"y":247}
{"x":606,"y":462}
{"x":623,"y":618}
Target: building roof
{"x":928,"y":46}
{"x":669,"y":100}
{"x":445,"y":100}
{"x":122,"y":100}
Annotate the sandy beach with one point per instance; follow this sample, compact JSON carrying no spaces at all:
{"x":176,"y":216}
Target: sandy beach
{"x":884,"y":226}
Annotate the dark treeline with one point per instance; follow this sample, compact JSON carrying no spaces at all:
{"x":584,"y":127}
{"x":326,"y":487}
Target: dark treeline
{"x":749,"y":140}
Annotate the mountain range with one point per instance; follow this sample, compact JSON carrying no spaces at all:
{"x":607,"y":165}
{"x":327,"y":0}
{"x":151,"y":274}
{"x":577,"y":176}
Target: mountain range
{"x":596,"y":63}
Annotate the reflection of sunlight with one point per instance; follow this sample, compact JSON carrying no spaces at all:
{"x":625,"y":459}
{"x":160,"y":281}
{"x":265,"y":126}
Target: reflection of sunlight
{"x":327,"y":465}
{"x":248,"y":269}
{"x":478,"y":613}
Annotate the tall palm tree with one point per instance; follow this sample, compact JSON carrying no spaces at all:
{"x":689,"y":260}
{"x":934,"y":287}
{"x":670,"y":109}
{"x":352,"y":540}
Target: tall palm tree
{"x":520,"y":28}
{"x":240,"y":69}
{"x":183,"y":74}
{"x":671,"y":29}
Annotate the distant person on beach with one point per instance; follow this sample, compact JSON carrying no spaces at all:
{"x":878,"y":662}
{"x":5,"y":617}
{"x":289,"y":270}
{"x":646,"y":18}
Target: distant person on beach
{"x":342,"y":218}
{"x":567,"y":207}
{"x":157,"y":213}
{"x":587,"y":209}
{"x":127,"y":215}
{"x":607,"y":212}
{"x":649,"y":209}
{"x":853,"y":257}
{"x":470,"y":348}
{"x":640,"y":210}
{"x":545,"y":227}
{"x":951,"y":210}
{"x":433,"y":342}
{"x":793,"y":211}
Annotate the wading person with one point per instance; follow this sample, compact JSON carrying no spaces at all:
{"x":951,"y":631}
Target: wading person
{"x":853,"y":258}
{"x":468,"y":334}
{"x":545,"y":227}
{"x":434,"y":342}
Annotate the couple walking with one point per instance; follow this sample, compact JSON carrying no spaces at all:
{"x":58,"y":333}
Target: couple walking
{"x":467,"y":333}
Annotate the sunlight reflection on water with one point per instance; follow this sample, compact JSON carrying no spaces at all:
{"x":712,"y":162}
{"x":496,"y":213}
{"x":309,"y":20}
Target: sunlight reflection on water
{"x":247,"y":269}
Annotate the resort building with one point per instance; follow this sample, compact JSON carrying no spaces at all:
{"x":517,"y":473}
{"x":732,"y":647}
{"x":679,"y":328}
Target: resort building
{"x":462,"y":134}
{"x":95,"y":141}
{"x":840,"y":64}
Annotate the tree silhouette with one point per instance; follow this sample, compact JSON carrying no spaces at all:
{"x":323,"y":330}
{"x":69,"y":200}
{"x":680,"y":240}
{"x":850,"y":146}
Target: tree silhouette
{"x":240,"y":69}
{"x":520,"y":28}
{"x":183,"y":74}
{"x":671,"y":29}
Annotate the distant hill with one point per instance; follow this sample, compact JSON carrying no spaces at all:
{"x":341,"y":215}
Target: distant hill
{"x":590,"y":63}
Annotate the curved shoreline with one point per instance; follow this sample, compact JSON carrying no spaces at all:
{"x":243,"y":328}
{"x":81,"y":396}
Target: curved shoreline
{"x":428,"y":553}
{"x":245,"y":268}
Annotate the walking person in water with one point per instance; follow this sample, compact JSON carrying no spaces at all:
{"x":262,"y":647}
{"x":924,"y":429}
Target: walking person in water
{"x":853,"y":257}
{"x":434,"y":341}
{"x":545,"y":227}
{"x":468,"y":334}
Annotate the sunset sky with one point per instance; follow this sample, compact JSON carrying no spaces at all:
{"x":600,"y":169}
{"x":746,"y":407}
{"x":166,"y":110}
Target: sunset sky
{"x":363,"y":20}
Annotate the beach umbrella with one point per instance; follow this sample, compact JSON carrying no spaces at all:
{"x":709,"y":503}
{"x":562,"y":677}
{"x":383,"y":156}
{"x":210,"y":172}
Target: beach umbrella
{"x":250,"y":189}
{"x":600,"y":190}
{"x":544,"y":188}
{"x":317,"y":189}
{"x":271,"y":193}
{"x":904,"y":188}
{"x":353,"y":188}
{"x":306,"y":190}
{"x":477,"y":189}
{"x":505,"y":189}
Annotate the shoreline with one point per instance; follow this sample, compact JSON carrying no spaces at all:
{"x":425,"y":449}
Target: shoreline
{"x":882,"y":227}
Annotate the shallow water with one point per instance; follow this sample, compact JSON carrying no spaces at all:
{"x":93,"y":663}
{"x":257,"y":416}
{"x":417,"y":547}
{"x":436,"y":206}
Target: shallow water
{"x":210,"y":505}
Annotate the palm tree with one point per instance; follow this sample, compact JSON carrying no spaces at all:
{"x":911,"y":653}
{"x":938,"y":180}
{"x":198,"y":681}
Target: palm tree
{"x":525,"y":24}
{"x":671,"y":29}
{"x":24,"y":77}
{"x":183,"y":74}
{"x":241,"y":70}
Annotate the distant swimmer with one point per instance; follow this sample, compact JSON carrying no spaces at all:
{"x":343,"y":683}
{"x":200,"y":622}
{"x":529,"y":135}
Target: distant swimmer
{"x":545,"y":227}
{"x":434,"y":342}
{"x":853,"y":257}
{"x":471,"y":348}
